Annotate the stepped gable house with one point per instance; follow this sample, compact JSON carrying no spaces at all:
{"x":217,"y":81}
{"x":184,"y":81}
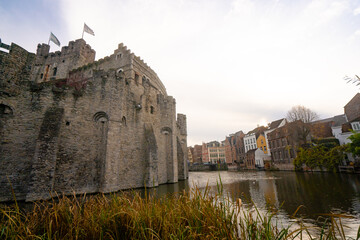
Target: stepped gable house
{"x":71,"y":124}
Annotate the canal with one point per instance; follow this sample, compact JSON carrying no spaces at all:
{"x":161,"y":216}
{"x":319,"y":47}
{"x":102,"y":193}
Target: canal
{"x":318,"y":193}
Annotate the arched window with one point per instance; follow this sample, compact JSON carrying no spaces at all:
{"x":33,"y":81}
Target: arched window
{"x":123,"y":121}
{"x":5,"y":110}
{"x":166,"y":130}
{"x":101,"y":117}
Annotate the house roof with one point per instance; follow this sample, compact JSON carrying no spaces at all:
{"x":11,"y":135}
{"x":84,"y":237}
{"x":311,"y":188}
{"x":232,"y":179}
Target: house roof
{"x":353,"y":99}
{"x":251,"y":151}
{"x":257,"y":131}
{"x":324,"y":120}
{"x":239,"y":133}
{"x":339,"y":120}
{"x":275,"y":124}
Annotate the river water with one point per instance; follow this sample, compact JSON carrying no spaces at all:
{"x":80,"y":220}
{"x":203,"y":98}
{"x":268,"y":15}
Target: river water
{"x":318,"y":193}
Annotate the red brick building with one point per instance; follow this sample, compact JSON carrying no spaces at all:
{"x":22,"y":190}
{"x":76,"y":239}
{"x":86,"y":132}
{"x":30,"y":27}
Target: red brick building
{"x":284,"y":142}
{"x":321,"y":129}
{"x":250,"y":159}
{"x":197,"y":154}
{"x":352,"y":109}
{"x":205,"y":153}
{"x":229,"y":145}
{"x":240,"y":148}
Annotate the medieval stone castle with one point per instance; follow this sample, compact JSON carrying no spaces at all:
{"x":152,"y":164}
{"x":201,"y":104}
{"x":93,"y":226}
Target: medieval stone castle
{"x":70,"y":124}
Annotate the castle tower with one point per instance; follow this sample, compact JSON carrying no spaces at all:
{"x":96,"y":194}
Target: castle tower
{"x":53,"y":66}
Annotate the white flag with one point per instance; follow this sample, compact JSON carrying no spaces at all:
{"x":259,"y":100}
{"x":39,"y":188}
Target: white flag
{"x":54,"y":39}
{"x":88,"y":30}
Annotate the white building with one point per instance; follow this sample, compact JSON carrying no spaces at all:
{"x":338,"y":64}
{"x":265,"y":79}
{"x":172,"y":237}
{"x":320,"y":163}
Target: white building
{"x":260,"y":156}
{"x":250,"y":141}
{"x":343,"y":124}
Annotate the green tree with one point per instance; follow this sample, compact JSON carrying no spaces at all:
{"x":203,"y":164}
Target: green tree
{"x":354,"y":146}
{"x":320,"y":156}
{"x":334,"y":157}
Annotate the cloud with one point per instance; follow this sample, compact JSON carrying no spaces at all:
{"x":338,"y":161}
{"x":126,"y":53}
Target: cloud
{"x":228,"y":64}
{"x":356,"y":11}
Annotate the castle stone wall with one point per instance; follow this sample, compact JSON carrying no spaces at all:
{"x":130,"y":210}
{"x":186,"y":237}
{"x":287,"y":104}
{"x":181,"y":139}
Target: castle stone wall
{"x":91,"y":128}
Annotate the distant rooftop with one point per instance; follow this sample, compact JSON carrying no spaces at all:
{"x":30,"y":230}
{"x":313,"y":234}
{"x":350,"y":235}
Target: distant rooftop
{"x":339,"y":120}
{"x":275,"y":124}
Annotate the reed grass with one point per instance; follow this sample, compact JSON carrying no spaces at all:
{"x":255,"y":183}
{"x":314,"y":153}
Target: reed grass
{"x":196,"y":214}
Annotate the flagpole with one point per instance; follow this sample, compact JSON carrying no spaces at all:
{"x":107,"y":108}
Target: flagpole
{"x":83,"y":32}
{"x":49,"y":40}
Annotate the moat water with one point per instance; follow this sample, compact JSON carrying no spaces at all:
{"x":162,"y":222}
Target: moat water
{"x":318,"y":193}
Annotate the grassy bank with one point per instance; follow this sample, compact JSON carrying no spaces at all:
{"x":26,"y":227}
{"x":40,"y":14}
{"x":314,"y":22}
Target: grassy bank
{"x":193,"y":215}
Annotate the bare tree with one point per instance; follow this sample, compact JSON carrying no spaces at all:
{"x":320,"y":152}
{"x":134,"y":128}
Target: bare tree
{"x":300,"y":117}
{"x":301,"y":113}
{"x":354,"y":80}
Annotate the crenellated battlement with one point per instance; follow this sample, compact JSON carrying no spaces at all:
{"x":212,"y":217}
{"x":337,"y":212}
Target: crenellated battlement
{"x":123,"y":56}
{"x":56,"y":65}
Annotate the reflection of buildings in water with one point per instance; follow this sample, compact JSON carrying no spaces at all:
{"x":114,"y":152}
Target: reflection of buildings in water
{"x":318,"y":192}
{"x":264,"y":194}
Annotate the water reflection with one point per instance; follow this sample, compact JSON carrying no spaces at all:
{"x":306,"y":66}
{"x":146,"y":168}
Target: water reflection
{"x":319,"y":193}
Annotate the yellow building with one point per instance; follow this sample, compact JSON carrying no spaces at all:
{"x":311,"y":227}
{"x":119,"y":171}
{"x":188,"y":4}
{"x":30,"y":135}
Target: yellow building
{"x":261,"y":143}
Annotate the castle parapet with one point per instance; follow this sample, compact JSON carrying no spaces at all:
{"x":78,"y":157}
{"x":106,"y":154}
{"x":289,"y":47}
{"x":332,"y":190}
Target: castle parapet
{"x":56,"y":65}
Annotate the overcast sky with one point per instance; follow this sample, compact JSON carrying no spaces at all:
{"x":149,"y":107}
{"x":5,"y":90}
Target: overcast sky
{"x":231,"y":65}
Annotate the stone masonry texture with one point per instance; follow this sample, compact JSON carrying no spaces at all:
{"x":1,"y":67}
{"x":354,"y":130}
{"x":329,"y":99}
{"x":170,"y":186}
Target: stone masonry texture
{"x":70,"y":124}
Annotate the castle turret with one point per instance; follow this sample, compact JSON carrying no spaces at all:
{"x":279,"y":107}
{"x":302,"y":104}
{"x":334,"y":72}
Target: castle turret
{"x":56,"y":65}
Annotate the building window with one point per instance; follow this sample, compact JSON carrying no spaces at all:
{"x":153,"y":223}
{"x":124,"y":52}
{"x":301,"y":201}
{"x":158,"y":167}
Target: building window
{"x":151,"y":109}
{"x":261,"y":148}
{"x":5,"y":111}
{"x":54,"y":71}
{"x":264,"y":148}
{"x":262,"y":142}
{"x":136,"y":78}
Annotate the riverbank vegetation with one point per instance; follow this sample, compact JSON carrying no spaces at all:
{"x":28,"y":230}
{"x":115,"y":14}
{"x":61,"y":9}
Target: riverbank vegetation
{"x":322,"y":154}
{"x":326,"y":153}
{"x":190,"y":215}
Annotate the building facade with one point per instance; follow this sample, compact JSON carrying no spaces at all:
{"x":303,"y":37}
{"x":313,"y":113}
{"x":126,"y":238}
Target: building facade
{"x":230,"y":149}
{"x":284,"y":143}
{"x":261,"y":143}
{"x":352,"y":109}
{"x":197,"y":156}
{"x":216,"y":152}
{"x":272,"y":126}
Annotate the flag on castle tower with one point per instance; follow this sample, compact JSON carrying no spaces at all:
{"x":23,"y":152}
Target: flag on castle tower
{"x":54,"y":39}
{"x":88,"y":30}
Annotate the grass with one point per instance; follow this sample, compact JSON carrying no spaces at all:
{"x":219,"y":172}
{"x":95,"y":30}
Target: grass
{"x":190,"y":215}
